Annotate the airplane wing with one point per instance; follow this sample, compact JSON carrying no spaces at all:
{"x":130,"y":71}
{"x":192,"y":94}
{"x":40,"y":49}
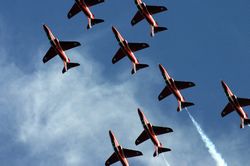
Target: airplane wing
{"x":227,"y":110}
{"x":137,"y":46}
{"x":156,"y":9}
{"x":244,"y":102}
{"x":73,"y":11}
{"x":131,"y":153}
{"x":137,"y":18}
{"x":66,"y":45}
{"x":164,"y":93}
{"x":51,"y":53}
{"x":118,"y":56}
{"x":161,"y":130}
{"x":143,"y":137}
{"x":183,"y":85}
{"x":112,"y":159}
{"x":90,"y":3}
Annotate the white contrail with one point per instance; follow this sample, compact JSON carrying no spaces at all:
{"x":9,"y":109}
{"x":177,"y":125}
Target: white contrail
{"x":209,"y":144}
{"x":165,"y":160}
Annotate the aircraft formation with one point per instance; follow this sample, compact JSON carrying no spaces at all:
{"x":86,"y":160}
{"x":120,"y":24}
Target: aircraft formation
{"x":128,"y":49}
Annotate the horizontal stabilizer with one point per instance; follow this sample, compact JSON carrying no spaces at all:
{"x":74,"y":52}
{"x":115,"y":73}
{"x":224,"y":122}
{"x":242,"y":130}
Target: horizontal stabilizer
{"x":94,"y":21}
{"x":159,"y":29}
{"x":69,"y":66}
{"x":184,"y":105}
{"x":247,"y":121}
{"x":161,"y":150}
{"x":138,"y":67}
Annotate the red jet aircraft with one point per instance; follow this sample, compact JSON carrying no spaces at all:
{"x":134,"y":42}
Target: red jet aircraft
{"x":235,"y":103}
{"x":174,"y":87}
{"x":128,"y":49}
{"x":120,"y":153}
{"x":58,"y":47}
{"x":146,"y":12}
{"x":151,"y":132}
{"x":83,"y":5}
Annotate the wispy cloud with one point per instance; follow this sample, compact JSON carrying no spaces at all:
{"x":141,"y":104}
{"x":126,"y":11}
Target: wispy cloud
{"x":64,"y":119}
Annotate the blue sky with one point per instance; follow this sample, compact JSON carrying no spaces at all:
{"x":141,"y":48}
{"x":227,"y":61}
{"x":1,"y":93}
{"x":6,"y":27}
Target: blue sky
{"x":52,"y":119}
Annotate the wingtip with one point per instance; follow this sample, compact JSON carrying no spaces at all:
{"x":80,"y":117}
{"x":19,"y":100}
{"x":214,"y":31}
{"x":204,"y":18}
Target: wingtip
{"x":68,"y":16}
{"x":160,"y":98}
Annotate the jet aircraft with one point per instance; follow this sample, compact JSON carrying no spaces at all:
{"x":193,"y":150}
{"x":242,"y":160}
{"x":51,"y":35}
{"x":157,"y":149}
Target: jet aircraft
{"x":120,"y":154}
{"x":174,"y":87}
{"x":235,"y":104}
{"x":127,"y":49}
{"x":146,"y":12}
{"x":151,"y":132}
{"x":83,"y":5}
{"x":58,"y":47}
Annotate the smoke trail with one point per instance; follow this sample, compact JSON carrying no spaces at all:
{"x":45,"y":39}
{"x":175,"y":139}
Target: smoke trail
{"x":165,"y":160}
{"x":209,"y":144}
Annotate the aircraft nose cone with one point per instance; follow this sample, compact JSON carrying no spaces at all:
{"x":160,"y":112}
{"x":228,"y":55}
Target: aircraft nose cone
{"x":45,"y":27}
{"x":140,"y":113}
{"x":162,"y":69}
{"x":223,"y":84}
{"x":114,"y":29}
{"x":111,"y":134}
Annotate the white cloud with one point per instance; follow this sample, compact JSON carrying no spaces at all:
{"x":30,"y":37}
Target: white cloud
{"x":70,"y":114}
{"x":66,"y":118}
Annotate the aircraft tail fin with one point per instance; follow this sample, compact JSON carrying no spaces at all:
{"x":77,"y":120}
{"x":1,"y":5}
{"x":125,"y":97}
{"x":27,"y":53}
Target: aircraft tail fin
{"x":138,"y":67}
{"x":157,"y":29}
{"x":184,"y":105}
{"x":93,"y":22}
{"x":160,"y":150}
{"x":69,"y":66}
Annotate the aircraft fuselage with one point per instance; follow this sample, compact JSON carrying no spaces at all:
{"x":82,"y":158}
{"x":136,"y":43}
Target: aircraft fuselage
{"x":171,"y":84}
{"x":56,"y":44}
{"x":144,"y":11}
{"x":124,"y":46}
{"x":148,"y":128}
{"x":118,"y":150}
{"x":85,"y":9}
{"x":235,"y":103}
